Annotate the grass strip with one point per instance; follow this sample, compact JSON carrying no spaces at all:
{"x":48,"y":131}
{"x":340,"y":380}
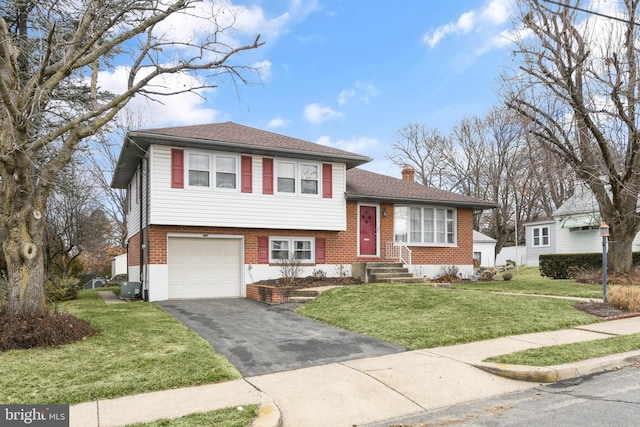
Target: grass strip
{"x":140,"y":349}
{"x":419,"y":316}
{"x":227,"y":417}
{"x":568,"y":353}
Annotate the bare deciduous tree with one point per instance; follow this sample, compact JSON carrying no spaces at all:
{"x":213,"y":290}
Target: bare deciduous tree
{"x":577,"y":89}
{"x":51,"y":57}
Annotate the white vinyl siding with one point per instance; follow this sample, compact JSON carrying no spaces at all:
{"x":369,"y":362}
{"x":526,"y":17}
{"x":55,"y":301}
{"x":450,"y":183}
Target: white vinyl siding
{"x":428,"y":226}
{"x":201,"y":206}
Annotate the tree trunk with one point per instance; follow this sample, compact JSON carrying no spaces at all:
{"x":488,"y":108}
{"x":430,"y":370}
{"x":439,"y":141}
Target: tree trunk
{"x":23,"y":219}
{"x":25,"y":265}
{"x":619,"y":257}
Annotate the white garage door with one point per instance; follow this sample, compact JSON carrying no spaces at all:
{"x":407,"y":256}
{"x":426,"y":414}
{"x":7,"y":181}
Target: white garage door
{"x":204,"y":268}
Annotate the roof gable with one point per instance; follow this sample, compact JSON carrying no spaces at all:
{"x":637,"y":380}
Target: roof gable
{"x":362,"y":184}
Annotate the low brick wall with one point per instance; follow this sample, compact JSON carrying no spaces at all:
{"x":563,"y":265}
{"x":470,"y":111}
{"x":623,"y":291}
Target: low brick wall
{"x":270,"y":294}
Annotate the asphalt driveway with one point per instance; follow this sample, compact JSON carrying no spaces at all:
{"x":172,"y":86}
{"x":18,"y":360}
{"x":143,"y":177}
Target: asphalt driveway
{"x":262,"y":339}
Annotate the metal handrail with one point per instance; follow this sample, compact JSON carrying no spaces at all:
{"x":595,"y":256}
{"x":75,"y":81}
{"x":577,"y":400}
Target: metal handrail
{"x":399,"y":251}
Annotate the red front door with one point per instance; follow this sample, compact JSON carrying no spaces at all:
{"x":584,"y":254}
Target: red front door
{"x":368,"y":240}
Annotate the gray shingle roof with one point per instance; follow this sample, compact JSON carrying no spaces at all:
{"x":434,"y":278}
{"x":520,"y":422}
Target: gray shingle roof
{"x":226,"y":136}
{"x":362,"y":184}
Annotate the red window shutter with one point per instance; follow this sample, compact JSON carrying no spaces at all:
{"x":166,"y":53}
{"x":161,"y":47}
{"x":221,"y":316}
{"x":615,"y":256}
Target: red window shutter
{"x":263,"y":249}
{"x":267,"y":176}
{"x":327,"y":180}
{"x":321,"y":252}
{"x":247,"y":174}
{"x":177,"y":168}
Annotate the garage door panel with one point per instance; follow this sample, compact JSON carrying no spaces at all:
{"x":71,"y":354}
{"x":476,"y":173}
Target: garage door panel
{"x":204,"y":268}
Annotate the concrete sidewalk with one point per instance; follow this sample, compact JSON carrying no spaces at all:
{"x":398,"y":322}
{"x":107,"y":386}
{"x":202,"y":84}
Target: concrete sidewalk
{"x":368,"y":390}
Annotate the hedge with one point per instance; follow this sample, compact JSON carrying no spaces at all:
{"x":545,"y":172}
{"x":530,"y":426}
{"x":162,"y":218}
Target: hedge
{"x":559,"y":266}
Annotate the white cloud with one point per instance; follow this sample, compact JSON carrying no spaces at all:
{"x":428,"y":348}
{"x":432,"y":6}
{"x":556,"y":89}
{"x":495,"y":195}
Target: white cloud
{"x":494,"y":13}
{"x":359,"y":145}
{"x":264,"y":69}
{"x":361,"y":91}
{"x":345,"y":95}
{"x":317,"y":113}
{"x":278,"y":122}
{"x":172,"y":110}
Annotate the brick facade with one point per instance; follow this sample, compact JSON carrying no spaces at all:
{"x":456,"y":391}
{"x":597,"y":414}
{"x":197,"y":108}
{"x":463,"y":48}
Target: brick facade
{"x":341,"y":246}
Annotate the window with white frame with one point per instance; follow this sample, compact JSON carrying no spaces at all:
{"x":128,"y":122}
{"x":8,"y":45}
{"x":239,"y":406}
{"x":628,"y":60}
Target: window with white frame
{"x":225,"y":172}
{"x":199,"y":169}
{"x":308,"y":178}
{"x":202,"y":166}
{"x":297,"y":177}
{"x":424,"y":225}
{"x":292,"y":248}
{"x":286,"y":173}
{"x":540,"y":236}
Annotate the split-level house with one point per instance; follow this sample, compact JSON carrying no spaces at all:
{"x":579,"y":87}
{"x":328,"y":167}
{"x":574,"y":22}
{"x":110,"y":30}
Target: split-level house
{"x":212,"y":208}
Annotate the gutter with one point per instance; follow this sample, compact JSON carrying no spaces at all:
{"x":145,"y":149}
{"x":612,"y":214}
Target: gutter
{"x":399,"y":200}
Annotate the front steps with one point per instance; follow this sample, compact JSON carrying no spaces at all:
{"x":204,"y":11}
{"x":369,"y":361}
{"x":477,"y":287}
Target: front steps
{"x":391,"y":272}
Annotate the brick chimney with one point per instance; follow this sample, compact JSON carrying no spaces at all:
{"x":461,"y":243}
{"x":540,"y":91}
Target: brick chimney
{"x":408,"y":173}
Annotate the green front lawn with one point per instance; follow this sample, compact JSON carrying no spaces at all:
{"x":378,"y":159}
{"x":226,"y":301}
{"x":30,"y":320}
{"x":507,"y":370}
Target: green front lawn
{"x":420,"y":316}
{"x":530,"y":282}
{"x":140,"y":349}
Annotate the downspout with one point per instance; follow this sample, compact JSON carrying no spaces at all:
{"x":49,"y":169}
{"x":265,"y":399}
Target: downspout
{"x":145,"y":286}
{"x":142,"y":247}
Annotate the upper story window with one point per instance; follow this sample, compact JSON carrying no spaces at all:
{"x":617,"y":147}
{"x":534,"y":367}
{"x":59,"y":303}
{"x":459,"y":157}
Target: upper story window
{"x":201,"y":165}
{"x":225,"y":172}
{"x":424,"y":225}
{"x":309,"y":179}
{"x":294,"y":177}
{"x":199,"y":168}
{"x":286,"y":177}
{"x":540,"y":236}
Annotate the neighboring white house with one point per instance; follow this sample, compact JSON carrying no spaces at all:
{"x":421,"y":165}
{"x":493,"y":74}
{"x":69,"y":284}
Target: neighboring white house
{"x":119,"y":265}
{"x":574,"y":228}
{"x":484,"y":249}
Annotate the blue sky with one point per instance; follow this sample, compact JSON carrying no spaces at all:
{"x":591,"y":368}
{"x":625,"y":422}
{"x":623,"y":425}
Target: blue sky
{"x":350,"y":74}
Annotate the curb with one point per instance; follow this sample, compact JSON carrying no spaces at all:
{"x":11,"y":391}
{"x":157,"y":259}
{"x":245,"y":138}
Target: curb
{"x":552,"y":374}
{"x":269,"y":415}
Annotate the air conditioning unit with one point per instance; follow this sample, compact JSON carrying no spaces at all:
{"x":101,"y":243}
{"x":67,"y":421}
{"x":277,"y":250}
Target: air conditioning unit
{"x":130,"y":290}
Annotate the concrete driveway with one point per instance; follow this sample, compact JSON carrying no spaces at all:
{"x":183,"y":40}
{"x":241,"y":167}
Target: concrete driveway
{"x":262,"y":339}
